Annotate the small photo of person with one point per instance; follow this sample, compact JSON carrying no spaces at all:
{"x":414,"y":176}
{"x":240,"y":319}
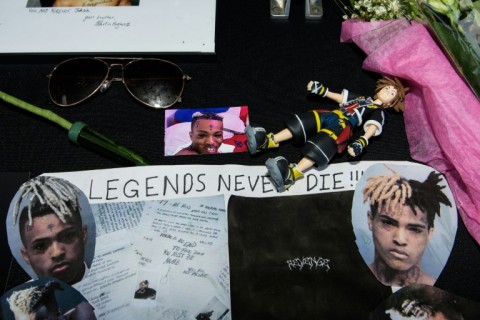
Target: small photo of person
{"x":144,"y":292}
{"x":205,"y":131}
{"x":424,"y":302}
{"x":405,"y":221}
{"x":48,"y":298}
{"x":80,"y":3}
{"x":51,"y":229}
{"x":214,"y":309}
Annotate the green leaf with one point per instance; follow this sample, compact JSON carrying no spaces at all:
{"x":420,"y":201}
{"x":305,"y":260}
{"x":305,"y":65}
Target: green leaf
{"x":463,"y":53}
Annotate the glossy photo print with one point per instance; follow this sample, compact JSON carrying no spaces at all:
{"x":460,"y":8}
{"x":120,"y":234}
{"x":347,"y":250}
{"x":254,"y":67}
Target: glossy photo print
{"x":47,"y":298}
{"x":205,"y":131}
{"x":51,"y":229}
{"x":405,"y":221}
{"x":81,"y":3}
{"x":423,"y":302}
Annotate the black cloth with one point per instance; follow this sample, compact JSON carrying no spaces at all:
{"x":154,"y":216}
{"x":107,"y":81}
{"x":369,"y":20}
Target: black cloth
{"x":259,"y":62}
{"x":296,"y":258}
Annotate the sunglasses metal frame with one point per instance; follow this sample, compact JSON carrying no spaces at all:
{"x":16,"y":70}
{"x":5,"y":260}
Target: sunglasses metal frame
{"x":119,"y":62}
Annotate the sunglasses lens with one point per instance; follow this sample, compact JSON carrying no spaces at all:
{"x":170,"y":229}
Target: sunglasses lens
{"x":75,"y":80}
{"x":156,"y":83}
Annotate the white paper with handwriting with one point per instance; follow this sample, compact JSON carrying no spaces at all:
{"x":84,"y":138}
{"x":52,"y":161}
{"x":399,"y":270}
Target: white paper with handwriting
{"x":180,"y":246}
{"x":152,"y":26}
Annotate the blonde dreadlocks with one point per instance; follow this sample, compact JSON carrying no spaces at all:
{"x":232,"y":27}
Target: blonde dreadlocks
{"x":50,"y":193}
{"x":391,"y":192}
{"x":24,"y":302}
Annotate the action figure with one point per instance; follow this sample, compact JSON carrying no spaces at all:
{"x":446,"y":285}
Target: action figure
{"x":323,"y":133}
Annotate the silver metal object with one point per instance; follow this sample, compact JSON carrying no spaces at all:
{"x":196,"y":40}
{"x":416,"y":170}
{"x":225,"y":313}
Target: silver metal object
{"x":279,"y":9}
{"x":313,"y":9}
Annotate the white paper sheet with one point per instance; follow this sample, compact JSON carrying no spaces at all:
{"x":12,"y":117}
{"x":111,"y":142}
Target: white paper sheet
{"x":180,"y":246}
{"x":154,"y":26}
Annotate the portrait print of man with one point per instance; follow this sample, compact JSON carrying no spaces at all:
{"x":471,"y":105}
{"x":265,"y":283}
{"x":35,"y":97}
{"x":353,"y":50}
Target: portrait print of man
{"x":144,"y":291}
{"x":424,"y":302}
{"x":205,"y":131}
{"x":50,"y":235}
{"x":48,"y":298}
{"x":402,"y":215}
{"x":206,"y":134}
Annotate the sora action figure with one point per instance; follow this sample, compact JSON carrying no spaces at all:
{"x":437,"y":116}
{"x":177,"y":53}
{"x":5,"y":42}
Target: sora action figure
{"x":323,"y":133}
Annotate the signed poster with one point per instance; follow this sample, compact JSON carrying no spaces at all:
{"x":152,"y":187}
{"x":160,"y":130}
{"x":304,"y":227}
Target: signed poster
{"x":108,"y":26}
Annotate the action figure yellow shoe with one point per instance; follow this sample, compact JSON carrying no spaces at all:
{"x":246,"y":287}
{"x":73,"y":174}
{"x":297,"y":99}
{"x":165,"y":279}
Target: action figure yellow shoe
{"x":282,"y":174}
{"x":258,"y":139}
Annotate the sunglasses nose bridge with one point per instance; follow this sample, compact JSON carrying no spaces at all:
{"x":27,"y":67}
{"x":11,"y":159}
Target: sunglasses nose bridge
{"x":115,"y":73}
{"x":117,"y":69}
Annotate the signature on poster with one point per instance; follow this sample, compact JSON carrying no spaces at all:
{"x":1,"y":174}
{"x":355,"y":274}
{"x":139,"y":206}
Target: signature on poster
{"x":312,"y":263}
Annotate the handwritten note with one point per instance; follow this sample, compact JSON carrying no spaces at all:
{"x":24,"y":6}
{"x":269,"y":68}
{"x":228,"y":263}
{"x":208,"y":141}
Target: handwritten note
{"x":85,"y":15}
{"x":178,"y":246}
{"x":96,"y":26}
{"x":187,"y":237}
{"x":111,"y":276}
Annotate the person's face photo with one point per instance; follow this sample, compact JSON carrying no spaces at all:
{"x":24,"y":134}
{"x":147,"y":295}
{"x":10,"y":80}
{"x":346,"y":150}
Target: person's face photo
{"x":47,"y":311}
{"x":207,"y":135}
{"x":399,"y":238}
{"x":145,"y":292}
{"x":205,"y":131}
{"x":405,"y":221}
{"x":424,"y":302}
{"x":143,"y":285}
{"x":45,"y":299}
{"x":54,"y":248}
{"x":52,"y":231}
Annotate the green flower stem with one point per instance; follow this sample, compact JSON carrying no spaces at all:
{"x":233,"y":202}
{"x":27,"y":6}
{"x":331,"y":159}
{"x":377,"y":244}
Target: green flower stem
{"x":44,"y":113}
{"x":80,"y":133}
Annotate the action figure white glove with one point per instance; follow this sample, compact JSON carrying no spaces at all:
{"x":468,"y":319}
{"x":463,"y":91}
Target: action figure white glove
{"x":317,"y":88}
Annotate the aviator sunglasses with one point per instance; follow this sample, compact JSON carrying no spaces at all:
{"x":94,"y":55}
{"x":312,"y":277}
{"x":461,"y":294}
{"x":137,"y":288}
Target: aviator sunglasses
{"x":154,"y":82}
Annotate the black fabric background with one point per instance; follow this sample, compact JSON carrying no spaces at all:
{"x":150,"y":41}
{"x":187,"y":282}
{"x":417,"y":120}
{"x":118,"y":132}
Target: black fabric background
{"x":265,"y":233}
{"x":259,"y":62}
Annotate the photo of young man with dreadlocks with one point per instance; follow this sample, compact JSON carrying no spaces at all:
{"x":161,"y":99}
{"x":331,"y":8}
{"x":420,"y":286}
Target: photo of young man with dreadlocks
{"x":47,"y":298}
{"x":201,"y":131}
{"x":51,"y":230}
{"x":405,"y":222}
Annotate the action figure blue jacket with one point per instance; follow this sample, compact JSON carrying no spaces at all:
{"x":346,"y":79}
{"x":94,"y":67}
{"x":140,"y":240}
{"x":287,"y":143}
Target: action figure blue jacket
{"x":324,"y":132}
